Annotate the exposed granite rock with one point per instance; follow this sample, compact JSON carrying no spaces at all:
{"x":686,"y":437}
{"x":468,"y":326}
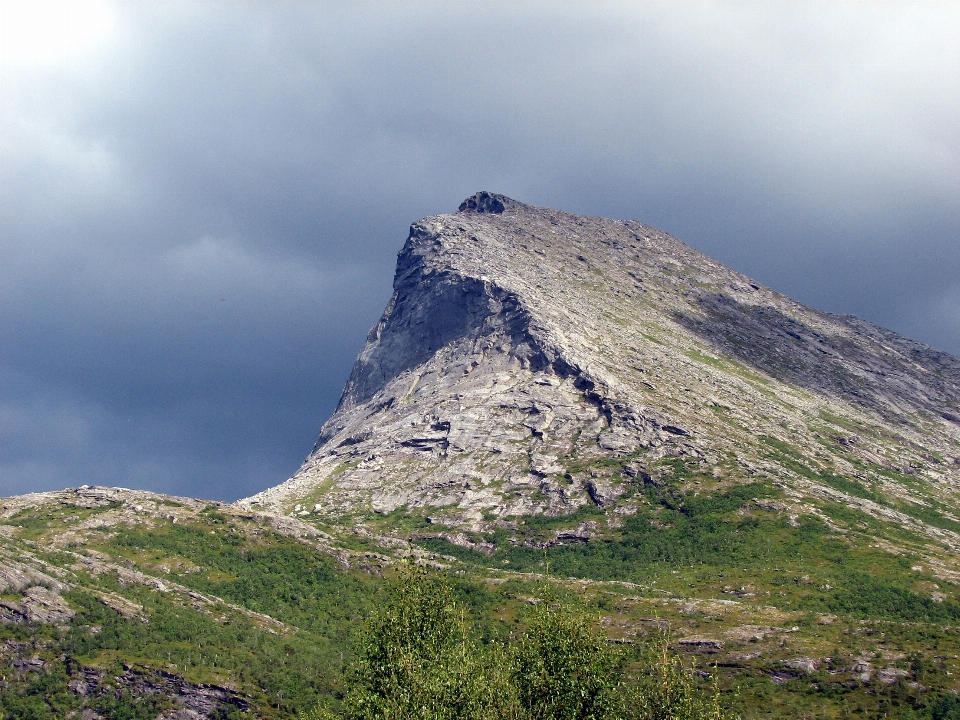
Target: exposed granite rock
{"x":16,"y":576}
{"x":524,"y":346}
{"x":805,"y":664}
{"x":700,"y":643}
{"x":39,"y":604}
{"x":195,"y":701}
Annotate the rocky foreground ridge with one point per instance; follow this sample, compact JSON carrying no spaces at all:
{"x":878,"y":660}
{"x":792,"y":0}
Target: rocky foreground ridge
{"x":533,"y":361}
{"x":119,"y":603}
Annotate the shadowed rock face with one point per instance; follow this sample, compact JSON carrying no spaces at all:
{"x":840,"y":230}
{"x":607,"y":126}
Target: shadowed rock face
{"x":484,"y":202}
{"x":858,"y":361}
{"x":533,"y":361}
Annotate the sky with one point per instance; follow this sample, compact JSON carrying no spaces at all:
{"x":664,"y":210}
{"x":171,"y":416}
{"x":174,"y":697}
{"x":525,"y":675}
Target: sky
{"x":201,"y":203}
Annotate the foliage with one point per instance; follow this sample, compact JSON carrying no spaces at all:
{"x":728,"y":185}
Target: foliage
{"x":418,"y":660}
{"x":716,"y":542}
{"x":277,"y":576}
{"x":946,"y":708}
{"x":320,"y":712}
{"x":563,"y":669}
{"x":46,"y":696}
{"x":665,"y":689}
{"x":280,"y":673}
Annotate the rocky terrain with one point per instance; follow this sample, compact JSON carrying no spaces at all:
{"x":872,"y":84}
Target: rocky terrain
{"x":118,"y":603}
{"x":126,"y":603}
{"x":525,"y":348}
{"x":548,"y":398}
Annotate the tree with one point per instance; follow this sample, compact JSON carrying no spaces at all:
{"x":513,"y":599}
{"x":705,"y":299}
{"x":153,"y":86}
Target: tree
{"x":418,"y":660}
{"x":564,"y":670}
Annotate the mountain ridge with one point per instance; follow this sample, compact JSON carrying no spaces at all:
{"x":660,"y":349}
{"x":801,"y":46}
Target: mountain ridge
{"x":548,"y":399}
{"x":608,"y":339}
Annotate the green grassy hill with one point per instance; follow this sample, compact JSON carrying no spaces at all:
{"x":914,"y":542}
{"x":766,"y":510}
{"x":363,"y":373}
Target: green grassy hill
{"x":136,"y":605}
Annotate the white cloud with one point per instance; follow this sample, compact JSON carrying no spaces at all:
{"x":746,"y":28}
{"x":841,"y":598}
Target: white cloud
{"x":51,"y":32}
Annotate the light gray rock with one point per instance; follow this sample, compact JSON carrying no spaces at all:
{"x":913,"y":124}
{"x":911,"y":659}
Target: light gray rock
{"x":533,"y":361}
{"x":38,"y":605}
{"x":17,"y":576}
{"x":890,"y":675}
{"x":806,"y":664}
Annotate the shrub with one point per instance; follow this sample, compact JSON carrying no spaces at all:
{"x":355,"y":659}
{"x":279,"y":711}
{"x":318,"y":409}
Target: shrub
{"x":564,"y":670}
{"x":419,"y":660}
{"x":665,"y":689}
{"x":947,"y":707}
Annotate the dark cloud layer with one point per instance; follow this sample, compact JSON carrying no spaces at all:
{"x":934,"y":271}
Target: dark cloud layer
{"x":199,"y":211}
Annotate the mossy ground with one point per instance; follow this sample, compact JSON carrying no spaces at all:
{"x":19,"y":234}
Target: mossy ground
{"x":745,"y":589}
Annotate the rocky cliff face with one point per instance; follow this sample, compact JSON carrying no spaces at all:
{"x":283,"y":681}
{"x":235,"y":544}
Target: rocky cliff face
{"x":687,"y":448}
{"x":533,"y":361}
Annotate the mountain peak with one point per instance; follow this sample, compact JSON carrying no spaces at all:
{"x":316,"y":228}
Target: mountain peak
{"x":540,"y":362}
{"x":486,"y":202}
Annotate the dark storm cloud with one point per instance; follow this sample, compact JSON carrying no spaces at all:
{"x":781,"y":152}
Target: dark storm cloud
{"x":199,"y":216}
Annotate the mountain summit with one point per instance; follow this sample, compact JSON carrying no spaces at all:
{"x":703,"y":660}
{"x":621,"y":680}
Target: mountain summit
{"x":548,"y":398}
{"x":533,"y":362}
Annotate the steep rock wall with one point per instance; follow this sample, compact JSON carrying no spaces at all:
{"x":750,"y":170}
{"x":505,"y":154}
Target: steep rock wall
{"x":532,"y":361}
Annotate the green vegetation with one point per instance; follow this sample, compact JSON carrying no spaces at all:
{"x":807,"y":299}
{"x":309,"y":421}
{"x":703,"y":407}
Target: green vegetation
{"x":421,"y":659}
{"x":279,"y":669}
{"x":705,"y":593}
{"x":271,"y":574}
{"x":711,"y":535}
{"x":674,"y":528}
{"x":791,"y":459}
{"x":418,"y":659}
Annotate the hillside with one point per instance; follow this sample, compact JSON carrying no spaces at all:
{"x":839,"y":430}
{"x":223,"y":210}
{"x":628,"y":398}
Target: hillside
{"x":536,"y":363}
{"x":551,"y":398}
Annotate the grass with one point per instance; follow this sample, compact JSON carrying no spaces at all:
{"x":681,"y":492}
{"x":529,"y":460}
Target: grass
{"x":34,"y":522}
{"x":790,"y":458}
{"x":704,"y":563}
{"x":804,"y":563}
{"x":281,"y":673}
{"x":274,"y":575}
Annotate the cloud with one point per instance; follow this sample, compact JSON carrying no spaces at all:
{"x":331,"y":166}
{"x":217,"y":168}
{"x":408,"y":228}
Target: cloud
{"x":200,"y":203}
{"x":50,"y":32}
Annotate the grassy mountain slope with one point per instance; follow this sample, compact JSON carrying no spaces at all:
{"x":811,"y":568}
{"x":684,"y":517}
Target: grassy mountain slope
{"x":138,"y":605}
{"x":672,"y":443}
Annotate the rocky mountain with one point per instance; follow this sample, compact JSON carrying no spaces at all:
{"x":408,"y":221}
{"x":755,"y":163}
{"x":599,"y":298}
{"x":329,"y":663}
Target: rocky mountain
{"x":548,"y":398}
{"x":533,"y":361}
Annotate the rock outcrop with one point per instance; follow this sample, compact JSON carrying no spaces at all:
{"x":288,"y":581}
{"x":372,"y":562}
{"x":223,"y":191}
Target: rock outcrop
{"x":533,"y":361}
{"x":692,"y":450}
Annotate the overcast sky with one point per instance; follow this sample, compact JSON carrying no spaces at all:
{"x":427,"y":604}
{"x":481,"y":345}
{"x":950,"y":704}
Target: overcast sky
{"x":201,"y":204}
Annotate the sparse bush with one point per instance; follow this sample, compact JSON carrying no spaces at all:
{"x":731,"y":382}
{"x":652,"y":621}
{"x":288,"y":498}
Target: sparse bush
{"x":418,"y":659}
{"x":320,"y":712}
{"x":563,"y":669}
{"x":666,"y":691}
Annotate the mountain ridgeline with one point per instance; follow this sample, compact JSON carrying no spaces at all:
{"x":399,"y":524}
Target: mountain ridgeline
{"x":534,"y":362}
{"x":554,"y":411}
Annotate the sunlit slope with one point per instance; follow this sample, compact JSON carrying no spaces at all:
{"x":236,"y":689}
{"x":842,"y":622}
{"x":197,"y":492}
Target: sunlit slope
{"x":128,"y":604}
{"x":536,"y":362}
